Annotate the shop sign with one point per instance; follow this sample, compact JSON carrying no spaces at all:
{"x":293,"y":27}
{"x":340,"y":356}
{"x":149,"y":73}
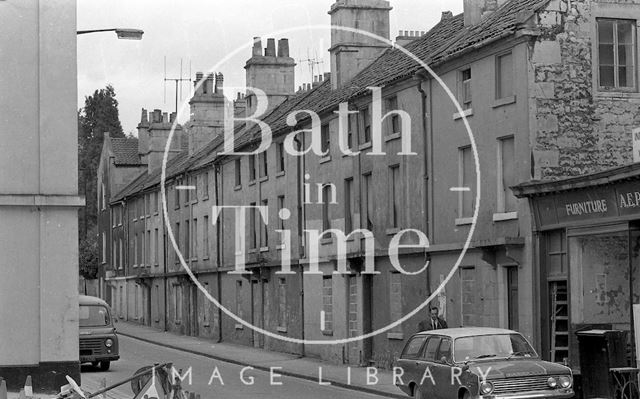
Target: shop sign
{"x":589,"y":204}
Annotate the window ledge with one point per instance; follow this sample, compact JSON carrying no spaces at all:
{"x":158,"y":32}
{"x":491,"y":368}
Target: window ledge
{"x":393,"y":136}
{"x":154,"y":214}
{"x":328,"y":333}
{"x":194,"y":259}
{"x":238,"y":187}
{"x":282,"y":329}
{"x":464,"y":221}
{"x":616,"y":94}
{"x":205,"y":257}
{"x":252,"y":182}
{"x":280,"y":174}
{"x":364,"y":146}
{"x":326,"y":240}
{"x":396,"y":336}
{"x":393,"y":231}
{"x":466,"y":113}
{"x":325,"y":159}
{"x":136,"y":219}
{"x":206,"y":324}
{"x":251,"y":251}
{"x":264,"y":249}
{"x":178,"y":322}
{"x":504,"y":101}
{"x":239,"y":326}
{"x":194,"y":202}
{"x":280,"y":247}
{"x":156,"y":264}
{"x":263,"y":178}
{"x":205,"y":198}
{"x":499,"y":217}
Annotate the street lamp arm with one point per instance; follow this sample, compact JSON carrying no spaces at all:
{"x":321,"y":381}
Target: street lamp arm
{"x":131,"y":34}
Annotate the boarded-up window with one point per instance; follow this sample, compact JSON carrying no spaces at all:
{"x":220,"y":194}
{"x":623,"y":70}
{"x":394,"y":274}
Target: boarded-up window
{"x":282,"y":303}
{"x":466,"y":182}
{"x":327,"y":304}
{"x":395,"y":195}
{"x":468,"y":295}
{"x":507,"y":201}
{"x":504,"y":76}
{"x":395,"y":300}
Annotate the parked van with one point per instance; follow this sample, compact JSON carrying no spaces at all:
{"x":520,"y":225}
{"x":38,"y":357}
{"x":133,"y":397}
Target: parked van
{"x":98,"y":339}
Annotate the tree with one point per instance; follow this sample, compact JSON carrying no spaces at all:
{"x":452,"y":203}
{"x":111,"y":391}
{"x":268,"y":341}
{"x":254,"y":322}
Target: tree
{"x":88,"y":262}
{"x":99,"y":115}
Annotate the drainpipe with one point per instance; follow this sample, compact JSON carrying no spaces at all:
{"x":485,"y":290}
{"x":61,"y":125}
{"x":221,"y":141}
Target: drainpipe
{"x":301,"y":252}
{"x":219,"y":246}
{"x":427,"y":130}
{"x":165,"y":262}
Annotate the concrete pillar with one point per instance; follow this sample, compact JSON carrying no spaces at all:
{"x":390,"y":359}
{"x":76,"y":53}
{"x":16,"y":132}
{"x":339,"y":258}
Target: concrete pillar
{"x":39,"y":194}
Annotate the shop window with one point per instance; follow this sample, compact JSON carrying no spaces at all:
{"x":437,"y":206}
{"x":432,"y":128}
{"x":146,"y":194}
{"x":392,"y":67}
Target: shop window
{"x":616,"y":54}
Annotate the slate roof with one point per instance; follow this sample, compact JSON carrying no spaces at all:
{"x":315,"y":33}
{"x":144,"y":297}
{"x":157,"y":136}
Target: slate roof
{"x":125,"y":151}
{"x":445,"y":41}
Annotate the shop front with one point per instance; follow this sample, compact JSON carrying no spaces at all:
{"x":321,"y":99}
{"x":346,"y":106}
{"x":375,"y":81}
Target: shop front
{"x":587,"y":234}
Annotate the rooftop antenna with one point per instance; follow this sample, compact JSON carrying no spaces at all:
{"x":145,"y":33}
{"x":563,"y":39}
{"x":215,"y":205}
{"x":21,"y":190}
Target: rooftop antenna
{"x":313,"y":62}
{"x":177,"y":81}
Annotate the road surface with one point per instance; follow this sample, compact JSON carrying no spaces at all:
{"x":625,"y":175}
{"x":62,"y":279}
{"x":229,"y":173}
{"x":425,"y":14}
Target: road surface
{"x":136,"y":354}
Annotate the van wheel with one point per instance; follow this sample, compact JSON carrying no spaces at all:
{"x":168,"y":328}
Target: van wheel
{"x":95,"y":364}
{"x":104,"y":365}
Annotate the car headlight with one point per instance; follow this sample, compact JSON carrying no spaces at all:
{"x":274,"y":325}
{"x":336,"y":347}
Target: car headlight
{"x":552,"y":382}
{"x":108,"y":343}
{"x":486,"y":387}
{"x":564,"y":381}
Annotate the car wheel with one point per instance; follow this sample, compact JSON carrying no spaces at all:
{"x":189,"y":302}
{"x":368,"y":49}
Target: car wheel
{"x":104,"y":365}
{"x":419,"y":393}
{"x":95,"y":364}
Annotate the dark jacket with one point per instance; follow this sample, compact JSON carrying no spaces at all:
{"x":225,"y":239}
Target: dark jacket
{"x":426,"y":325}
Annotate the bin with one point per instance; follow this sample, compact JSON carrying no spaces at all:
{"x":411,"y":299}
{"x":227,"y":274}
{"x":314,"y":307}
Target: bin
{"x":600,"y":351}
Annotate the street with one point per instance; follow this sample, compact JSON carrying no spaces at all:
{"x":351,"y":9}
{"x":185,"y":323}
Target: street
{"x":136,"y":354}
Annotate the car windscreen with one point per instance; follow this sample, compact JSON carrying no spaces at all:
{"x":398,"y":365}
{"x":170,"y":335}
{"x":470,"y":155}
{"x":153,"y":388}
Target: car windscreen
{"x":94,"y":316}
{"x":492,"y":346}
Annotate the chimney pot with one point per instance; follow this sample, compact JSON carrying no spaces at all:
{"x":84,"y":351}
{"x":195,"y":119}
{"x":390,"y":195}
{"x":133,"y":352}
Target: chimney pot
{"x":446,"y":15}
{"x":283,"y":48}
{"x":270,"y":51}
{"x":144,"y":116}
{"x":257,"y":46}
{"x":172,"y":117}
{"x":165,"y":117}
{"x":157,"y":116}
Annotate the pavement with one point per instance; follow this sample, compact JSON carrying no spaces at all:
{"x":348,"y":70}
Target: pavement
{"x":353,"y":378}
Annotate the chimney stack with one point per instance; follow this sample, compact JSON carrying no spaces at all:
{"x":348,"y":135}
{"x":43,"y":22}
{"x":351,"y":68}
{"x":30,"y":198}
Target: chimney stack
{"x":476,"y":10}
{"x":352,"y":52}
{"x":446,"y":15}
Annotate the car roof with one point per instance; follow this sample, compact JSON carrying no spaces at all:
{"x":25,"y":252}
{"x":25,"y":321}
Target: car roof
{"x":467,"y":332}
{"x":90,"y":300}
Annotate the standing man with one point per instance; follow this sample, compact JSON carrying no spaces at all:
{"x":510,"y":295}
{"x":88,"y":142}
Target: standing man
{"x":435,"y":322}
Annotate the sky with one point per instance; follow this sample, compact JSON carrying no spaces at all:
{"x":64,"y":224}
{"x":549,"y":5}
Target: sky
{"x":207,"y":35}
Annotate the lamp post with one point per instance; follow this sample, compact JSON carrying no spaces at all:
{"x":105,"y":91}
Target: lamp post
{"x":127,"y":34}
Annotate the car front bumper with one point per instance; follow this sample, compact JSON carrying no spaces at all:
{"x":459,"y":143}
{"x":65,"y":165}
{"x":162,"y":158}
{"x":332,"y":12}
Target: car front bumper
{"x":554,"y":394}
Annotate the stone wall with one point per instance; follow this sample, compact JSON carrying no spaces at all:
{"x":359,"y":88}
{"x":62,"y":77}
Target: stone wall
{"x":575,"y":128}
